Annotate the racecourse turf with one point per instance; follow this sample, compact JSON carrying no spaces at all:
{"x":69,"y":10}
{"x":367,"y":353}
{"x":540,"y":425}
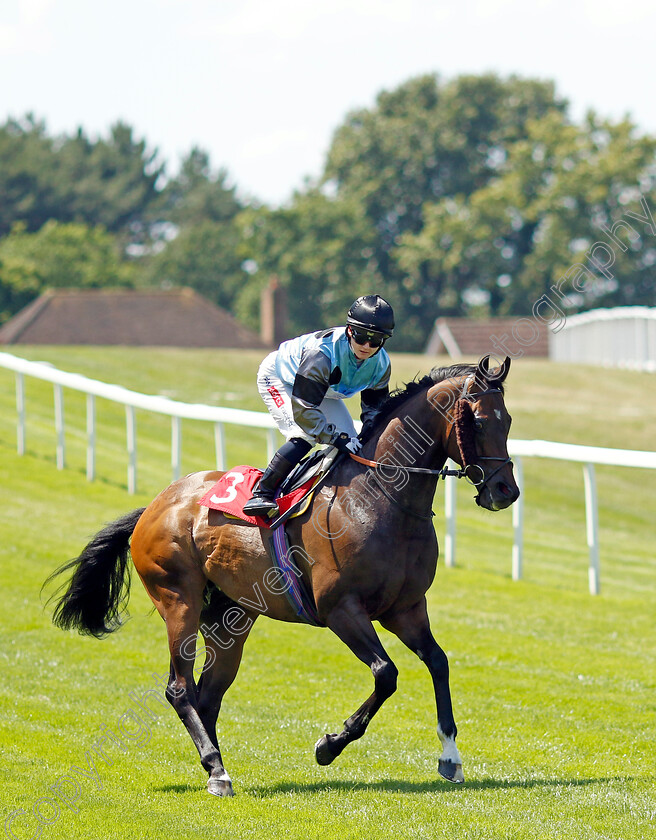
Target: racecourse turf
{"x":553,"y":689}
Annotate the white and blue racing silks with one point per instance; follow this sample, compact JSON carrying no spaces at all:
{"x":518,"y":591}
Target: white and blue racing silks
{"x":322,"y":364}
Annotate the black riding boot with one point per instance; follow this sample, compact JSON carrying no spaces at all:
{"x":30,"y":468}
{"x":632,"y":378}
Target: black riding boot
{"x":282,"y":463}
{"x":263,"y":503}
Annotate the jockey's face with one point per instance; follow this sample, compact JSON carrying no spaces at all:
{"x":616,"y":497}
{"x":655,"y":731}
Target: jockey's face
{"x":362,"y":351}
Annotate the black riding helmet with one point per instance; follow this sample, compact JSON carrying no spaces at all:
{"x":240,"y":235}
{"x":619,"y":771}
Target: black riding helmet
{"x":371,"y":313}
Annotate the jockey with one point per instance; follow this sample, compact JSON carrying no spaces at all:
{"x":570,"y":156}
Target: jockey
{"x":303,"y":384}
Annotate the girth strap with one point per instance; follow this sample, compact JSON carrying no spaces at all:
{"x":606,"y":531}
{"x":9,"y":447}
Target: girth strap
{"x":296,"y":592}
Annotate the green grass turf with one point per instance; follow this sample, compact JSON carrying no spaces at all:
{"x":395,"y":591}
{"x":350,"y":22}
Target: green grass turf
{"x":553,"y":689}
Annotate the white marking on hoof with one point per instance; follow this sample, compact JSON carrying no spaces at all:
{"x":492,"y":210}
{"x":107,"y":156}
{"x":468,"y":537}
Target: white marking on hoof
{"x":449,"y":749}
{"x":220,"y":785}
{"x":450,"y":763}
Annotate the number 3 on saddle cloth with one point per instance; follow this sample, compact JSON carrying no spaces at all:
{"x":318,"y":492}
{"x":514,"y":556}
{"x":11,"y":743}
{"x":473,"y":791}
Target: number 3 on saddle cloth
{"x":230,"y":494}
{"x":235,"y":488}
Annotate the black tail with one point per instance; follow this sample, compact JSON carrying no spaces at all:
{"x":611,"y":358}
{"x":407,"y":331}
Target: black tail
{"x":98,"y":592}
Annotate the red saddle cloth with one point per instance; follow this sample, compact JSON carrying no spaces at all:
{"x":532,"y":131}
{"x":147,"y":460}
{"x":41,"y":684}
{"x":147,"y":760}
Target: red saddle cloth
{"x":235,"y":488}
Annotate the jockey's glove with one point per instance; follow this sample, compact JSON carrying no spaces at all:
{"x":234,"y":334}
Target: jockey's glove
{"x":345,"y":443}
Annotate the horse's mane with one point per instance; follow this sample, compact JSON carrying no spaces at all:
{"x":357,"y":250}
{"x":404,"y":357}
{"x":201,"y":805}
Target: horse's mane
{"x":438,"y":374}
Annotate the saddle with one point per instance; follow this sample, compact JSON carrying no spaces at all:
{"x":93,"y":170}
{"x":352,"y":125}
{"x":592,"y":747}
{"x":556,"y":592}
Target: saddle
{"x":315,"y":464}
{"x":234,"y":489}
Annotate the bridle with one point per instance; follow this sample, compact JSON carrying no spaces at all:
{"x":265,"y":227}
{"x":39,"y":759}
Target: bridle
{"x":460,"y":426}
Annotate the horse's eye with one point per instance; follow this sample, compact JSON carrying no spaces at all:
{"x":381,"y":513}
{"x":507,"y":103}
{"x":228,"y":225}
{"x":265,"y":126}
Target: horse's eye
{"x":478,"y":425}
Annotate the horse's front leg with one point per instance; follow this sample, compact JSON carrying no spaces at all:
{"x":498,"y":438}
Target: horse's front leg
{"x":352,"y":625}
{"x":413,"y":628}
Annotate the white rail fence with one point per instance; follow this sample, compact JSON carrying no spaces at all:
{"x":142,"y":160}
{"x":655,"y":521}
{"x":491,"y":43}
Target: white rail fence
{"x":587,"y":455}
{"x":132,"y":400}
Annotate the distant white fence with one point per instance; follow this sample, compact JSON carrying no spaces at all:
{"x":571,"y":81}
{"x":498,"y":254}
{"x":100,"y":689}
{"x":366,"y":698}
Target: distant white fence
{"x":587,"y":455}
{"x":624,"y":336}
{"x":131,"y":400}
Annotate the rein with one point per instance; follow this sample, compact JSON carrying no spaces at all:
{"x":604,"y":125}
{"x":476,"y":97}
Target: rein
{"x":464,"y":427}
{"x":443,"y":473}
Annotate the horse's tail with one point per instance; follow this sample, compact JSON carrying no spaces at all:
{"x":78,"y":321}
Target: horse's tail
{"x":99,"y":589}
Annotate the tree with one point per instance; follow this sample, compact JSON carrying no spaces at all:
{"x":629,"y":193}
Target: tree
{"x":421,"y":144}
{"x":425,"y":141}
{"x":197,"y":194}
{"x":320,"y":249}
{"x":27,"y":184}
{"x":110,"y":182}
{"x":205,"y":257}
{"x":505,"y":246}
{"x":57,"y":256}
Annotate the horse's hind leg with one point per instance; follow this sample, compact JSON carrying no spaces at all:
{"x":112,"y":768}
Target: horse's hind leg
{"x":182,"y":612}
{"x":351,"y":623}
{"x":225,"y":626}
{"x":413,"y":628}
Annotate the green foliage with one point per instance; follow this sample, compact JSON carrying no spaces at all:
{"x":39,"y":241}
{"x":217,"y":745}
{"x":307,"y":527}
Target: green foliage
{"x":321,"y":249}
{"x":470,"y":196}
{"x":108,"y":182}
{"x":426,"y":140}
{"x":509,"y":242}
{"x":419,"y":144}
{"x":198,"y":195}
{"x":57,"y":256}
{"x":27,"y":182}
{"x":483,"y":193}
{"x":111,"y":182}
{"x":200,"y":243}
{"x":203,"y":256}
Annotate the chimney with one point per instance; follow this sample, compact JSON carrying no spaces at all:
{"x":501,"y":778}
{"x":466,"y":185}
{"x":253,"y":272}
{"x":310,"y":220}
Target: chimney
{"x":273,"y":313}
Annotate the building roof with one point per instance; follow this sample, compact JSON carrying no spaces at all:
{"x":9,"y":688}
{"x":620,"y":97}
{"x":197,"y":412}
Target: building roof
{"x":175,"y":317}
{"x":464,"y":337}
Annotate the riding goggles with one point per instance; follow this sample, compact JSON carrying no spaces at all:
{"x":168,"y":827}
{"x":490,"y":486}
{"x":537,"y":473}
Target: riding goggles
{"x":374,"y":339}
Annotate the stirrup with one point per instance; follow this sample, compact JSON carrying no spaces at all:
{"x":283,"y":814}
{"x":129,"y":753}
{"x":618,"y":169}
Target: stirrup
{"x":261,"y":506}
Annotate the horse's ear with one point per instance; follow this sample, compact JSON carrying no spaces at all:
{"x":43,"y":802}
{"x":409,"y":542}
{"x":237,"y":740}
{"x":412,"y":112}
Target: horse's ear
{"x":505,"y":367}
{"x":497,"y":374}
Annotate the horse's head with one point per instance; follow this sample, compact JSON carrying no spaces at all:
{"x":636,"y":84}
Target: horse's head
{"x":479,"y":434}
{"x":455,"y":412}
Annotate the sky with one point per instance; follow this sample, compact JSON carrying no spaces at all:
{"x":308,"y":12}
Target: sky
{"x":263,"y":84}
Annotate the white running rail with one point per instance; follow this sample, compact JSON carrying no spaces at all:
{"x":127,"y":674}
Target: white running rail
{"x":587,"y":455}
{"x":131,"y":400}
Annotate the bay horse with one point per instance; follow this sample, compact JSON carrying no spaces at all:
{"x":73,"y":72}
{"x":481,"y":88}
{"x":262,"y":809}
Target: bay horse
{"x":365,"y":549}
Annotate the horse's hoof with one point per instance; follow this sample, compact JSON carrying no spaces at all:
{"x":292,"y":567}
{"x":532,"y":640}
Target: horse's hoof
{"x":220,"y":787}
{"x":451,"y":771}
{"x":322,"y":751}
